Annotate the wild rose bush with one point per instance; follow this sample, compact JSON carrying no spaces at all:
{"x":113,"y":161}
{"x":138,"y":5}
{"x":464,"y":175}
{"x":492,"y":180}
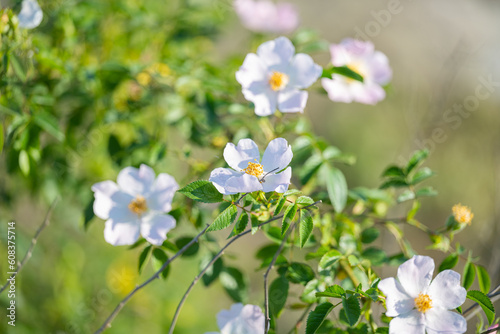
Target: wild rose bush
{"x":247,"y":164}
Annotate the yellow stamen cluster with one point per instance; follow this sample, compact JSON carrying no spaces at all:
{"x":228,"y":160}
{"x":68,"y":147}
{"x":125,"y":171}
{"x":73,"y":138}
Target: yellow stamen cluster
{"x":423,"y":303}
{"x":462,"y":214}
{"x":255,"y":169}
{"x":138,"y":205}
{"x":278,"y":80}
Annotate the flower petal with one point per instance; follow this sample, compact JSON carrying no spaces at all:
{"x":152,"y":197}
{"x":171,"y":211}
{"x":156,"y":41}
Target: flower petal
{"x":238,"y":157}
{"x":380,"y":70}
{"x":415,"y":275}
{"x":219,"y":177}
{"x":253,"y":69}
{"x":31,"y":14}
{"x":263,"y":97}
{"x":303,"y":71}
{"x":162,"y":193}
{"x":108,"y":195}
{"x":277,"y":155}
{"x":292,"y":100}
{"x":119,"y":233}
{"x":136,"y":181}
{"x":244,"y":183}
{"x":154,"y":227}
{"x":338,"y":91}
{"x":397,"y":301}
{"x":367,"y":93}
{"x":225,"y":316}
{"x":409,"y":323}
{"x":277,"y":182}
{"x":350,"y":50}
{"x":277,"y":54}
{"x":240,"y":319}
{"x":441,"y":321}
{"x":445,"y":290}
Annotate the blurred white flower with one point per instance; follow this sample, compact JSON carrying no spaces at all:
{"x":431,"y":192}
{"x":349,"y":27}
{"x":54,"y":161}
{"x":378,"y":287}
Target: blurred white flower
{"x":135,"y":206}
{"x":240,"y":319}
{"x":267,"y":17}
{"x":31,"y":14}
{"x":360,"y":57}
{"x":249,"y":173}
{"x":275,"y":76}
{"x":419,"y":306}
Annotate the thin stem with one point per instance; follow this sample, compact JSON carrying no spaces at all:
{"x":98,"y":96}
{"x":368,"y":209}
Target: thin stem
{"x":118,"y":308}
{"x":219,"y":254}
{"x":28,"y":254}
{"x":493,"y":330}
{"x":266,"y":274}
{"x":299,"y":321}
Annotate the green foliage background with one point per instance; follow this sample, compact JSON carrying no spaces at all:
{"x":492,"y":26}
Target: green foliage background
{"x":101,"y":85}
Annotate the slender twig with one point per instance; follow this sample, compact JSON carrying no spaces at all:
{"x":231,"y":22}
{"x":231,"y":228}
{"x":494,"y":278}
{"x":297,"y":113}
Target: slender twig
{"x":156,"y":275}
{"x":217,"y":256}
{"x":299,"y":321}
{"x":28,"y":254}
{"x":494,"y":295}
{"x":493,"y":330}
{"x":266,"y":274}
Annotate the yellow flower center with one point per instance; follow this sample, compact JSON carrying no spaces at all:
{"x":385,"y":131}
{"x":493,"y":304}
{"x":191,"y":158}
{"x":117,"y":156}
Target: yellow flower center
{"x":423,"y":303}
{"x":138,"y":205}
{"x":278,"y":80}
{"x":462,"y":214}
{"x":255,"y":169}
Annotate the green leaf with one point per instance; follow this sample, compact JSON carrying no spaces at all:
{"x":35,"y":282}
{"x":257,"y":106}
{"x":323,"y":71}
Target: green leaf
{"x":240,"y":225}
{"x":406,"y":196}
{"x":370,"y":235}
{"x":304,"y":200}
{"x":484,"y":301}
{"x":330,"y":258}
{"x":224,"y":219}
{"x":426,"y":192}
{"x":336,"y":186}
{"x":143,"y":258}
{"x":202,"y":191}
{"x":382,"y":330}
{"x":483,"y":278}
{"x":88,"y":213}
{"x":342,"y":70}
{"x":183,"y":241}
{"x":158,"y":259}
{"x":416,"y":159}
{"x":376,"y":256}
{"x":114,"y":146}
{"x":316,"y":317}
{"x":394,"y":171}
{"x":306,"y":227}
{"x":24,"y":162}
{"x":299,"y":273}
{"x":351,"y":309}
{"x":334,"y":291}
{"x":213,"y":271}
{"x":310,"y":168}
{"x":423,"y":174}
{"x":278,"y":293}
{"x":394,"y":183}
{"x":288,"y":217}
{"x":279,"y":205}
{"x":234,"y":283}
{"x":18,"y":69}
{"x":48,"y":123}
{"x":449,"y":262}
{"x":468,"y":275}
{"x":291,"y":192}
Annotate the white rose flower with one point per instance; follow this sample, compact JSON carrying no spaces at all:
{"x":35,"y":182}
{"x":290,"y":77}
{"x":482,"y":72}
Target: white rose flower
{"x":240,"y":319}
{"x":420,"y":306}
{"x":248,"y":173}
{"x":275,"y":76}
{"x":135,"y":205}
{"x":31,"y":14}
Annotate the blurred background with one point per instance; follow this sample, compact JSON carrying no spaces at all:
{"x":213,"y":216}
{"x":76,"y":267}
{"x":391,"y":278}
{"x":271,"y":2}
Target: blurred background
{"x":122,"y":80}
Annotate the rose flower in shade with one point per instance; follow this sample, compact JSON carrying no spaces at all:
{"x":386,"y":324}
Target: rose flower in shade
{"x":247,"y":319}
{"x":135,"y":205}
{"x":275,"y":77}
{"x":360,"y":57}
{"x":31,"y":14}
{"x":420,"y":306}
{"x":267,"y":17}
{"x":249,"y":173}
